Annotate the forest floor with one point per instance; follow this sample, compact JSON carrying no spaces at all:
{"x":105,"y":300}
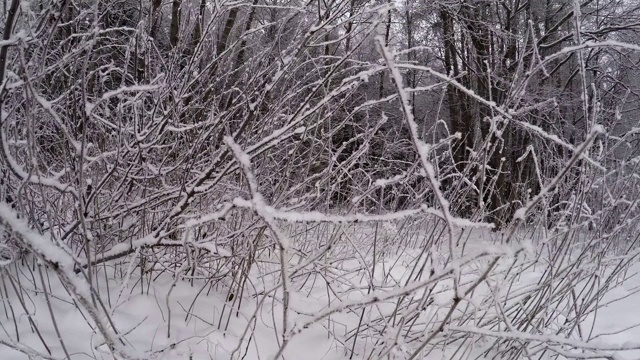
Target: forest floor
{"x":166,"y":319}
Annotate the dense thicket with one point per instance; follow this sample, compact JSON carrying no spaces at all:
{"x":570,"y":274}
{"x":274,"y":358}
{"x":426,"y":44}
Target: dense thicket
{"x":152,"y":128}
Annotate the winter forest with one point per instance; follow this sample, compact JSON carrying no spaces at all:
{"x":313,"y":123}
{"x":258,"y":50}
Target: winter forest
{"x":319,"y":179}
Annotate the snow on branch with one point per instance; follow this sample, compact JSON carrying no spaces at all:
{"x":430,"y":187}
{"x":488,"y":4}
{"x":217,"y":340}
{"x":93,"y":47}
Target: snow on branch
{"x":31,"y":353}
{"x":550,"y":339}
{"x":384,"y":295}
{"x":62,"y":263}
{"x":284,"y":243}
{"x":506,"y":113}
{"x":319,"y":217}
{"x":420,"y":146}
{"x":32,"y":178}
{"x":521,"y":213}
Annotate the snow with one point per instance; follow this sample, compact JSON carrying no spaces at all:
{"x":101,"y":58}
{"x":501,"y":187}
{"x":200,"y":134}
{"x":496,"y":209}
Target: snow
{"x":217,"y":215}
{"x":76,"y":286}
{"x":204,"y":323}
{"x":35,"y":179}
{"x":520,"y":214}
{"x":189,"y":252}
{"x":41,"y":245}
{"x":386,"y":182}
{"x":214,"y":249}
{"x":319,"y":217}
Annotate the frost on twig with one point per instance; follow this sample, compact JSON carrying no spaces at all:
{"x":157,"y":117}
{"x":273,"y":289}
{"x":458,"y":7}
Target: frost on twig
{"x":63,"y":264}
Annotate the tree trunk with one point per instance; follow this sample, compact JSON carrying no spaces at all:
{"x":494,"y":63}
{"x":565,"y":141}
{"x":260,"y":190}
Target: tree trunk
{"x":175,"y":22}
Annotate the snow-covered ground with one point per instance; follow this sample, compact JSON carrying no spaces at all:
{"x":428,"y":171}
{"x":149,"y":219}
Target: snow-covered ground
{"x":168,"y":319}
